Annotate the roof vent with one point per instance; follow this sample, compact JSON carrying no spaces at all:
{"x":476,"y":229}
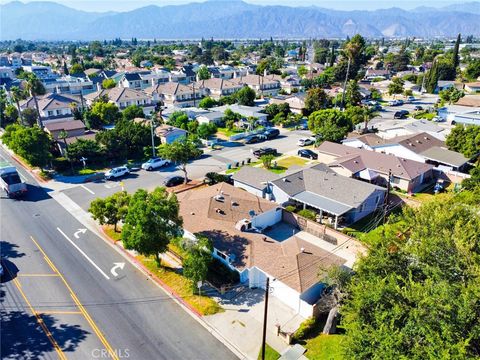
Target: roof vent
{"x":302,"y":250}
{"x":426,"y":138}
{"x":219,"y":198}
{"x":355,"y":161}
{"x":285,"y":180}
{"x":234,"y":203}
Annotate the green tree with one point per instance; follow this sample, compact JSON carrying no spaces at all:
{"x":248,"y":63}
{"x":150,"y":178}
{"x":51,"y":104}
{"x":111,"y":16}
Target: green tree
{"x":35,"y":87}
{"x":302,"y":71}
{"x":181,"y":152}
{"x":195,"y":265}
{"x":353,"y":97}
{"x":17,"y":94}
{"x":465,"y":140}
{"x":432,"y":78}
{"x":126,"y":140}
{"x":451,"y":95}
{"x":133,"y":111}
{"x":203,"y":73}
{"x":472,"y":71}
{"x":31,"y":143}
{"x":84,"y":148}
{"x":29,"y":117}
{"x":396,"y":86}
{"x":10,"y":114}
{"x":207,"y":103}
{"x":108,"y":84}
{"x":330,"y":124}
{"x":106,"y":112}
{"x":206,"y":130}
{"x":418,"y":285}
{"x":315,"y":100}
{"x":179,"y":119}
{"x":246,"y":96}
{"x":456,"y":48}
{"x":267,"y":160}
{"x":110,"y":210}
{"x":76,"y":69}
{"x":151,"y":221}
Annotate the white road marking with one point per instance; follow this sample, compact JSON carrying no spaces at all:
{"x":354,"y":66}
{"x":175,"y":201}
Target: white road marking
{"x":90,"y":191}
{"x":117,"y":266}
{"x":85,"y":255}
{"x":79,"y":231}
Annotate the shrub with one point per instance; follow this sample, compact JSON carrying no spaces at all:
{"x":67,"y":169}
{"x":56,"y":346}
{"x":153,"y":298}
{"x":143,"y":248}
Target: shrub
{"x":290,"y":208}
{"x":309,"y":214}
{"x":305,"y":329}
{"x":61,"y":164}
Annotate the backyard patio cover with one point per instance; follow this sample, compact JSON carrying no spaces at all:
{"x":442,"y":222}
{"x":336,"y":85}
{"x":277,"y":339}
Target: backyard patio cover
{"x":322,"y":203}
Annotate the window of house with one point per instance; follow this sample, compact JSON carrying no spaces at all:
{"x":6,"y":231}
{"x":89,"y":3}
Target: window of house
{"x":395,"y":180}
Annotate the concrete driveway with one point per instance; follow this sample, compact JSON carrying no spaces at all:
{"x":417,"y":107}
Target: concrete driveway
{"x":242,"y":321}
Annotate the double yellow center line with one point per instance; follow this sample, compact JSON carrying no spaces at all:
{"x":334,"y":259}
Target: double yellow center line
{"x":81,"y":308}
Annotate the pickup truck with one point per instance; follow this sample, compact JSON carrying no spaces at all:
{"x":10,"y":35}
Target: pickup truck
{"x":11,"y":183}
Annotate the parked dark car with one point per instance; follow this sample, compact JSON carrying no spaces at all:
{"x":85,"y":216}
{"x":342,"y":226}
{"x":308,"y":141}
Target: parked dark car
{"x":173,"y":181}
{"x":253,"y":139}
{"x":402,"y":114}
{"x":264,"y":151}
{"x":418,"y":108}
{"x":307,"y":153}
{"x":271,"y":133}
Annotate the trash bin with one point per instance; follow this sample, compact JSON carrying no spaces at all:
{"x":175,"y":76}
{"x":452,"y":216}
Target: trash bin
{"x":229,"y":166}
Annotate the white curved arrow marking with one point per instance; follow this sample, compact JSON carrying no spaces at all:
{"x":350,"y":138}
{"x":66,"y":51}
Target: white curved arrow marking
{"x":117,"y":266}
{"x":79,"y":231}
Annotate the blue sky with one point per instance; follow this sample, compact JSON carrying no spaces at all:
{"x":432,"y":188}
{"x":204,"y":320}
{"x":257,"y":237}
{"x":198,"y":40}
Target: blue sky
{"x":125,"y":5}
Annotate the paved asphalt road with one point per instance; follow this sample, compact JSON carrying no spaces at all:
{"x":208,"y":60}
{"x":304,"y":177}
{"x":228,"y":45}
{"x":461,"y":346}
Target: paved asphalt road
{"x":85,"y":310}
{"x":216,"y":160}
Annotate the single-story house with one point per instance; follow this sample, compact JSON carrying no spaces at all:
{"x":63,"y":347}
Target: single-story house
{"x":409,"y":146}
{"x":234,"y":220}
{"x":72,"y":128}
{"x":389,"y":129}
{"x":346,"y":199}
{"x":169,"y":134}
{"x":407,"y":175}
{"x":473,"y":87}
{"x":215,"y":117}
{"x":254,"y":180}
{"x":444,"y":158}
{"x":365,"y":141}
{"x":245,"y":111}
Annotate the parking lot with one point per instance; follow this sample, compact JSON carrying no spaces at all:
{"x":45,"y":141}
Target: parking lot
{"x":211,"y":160}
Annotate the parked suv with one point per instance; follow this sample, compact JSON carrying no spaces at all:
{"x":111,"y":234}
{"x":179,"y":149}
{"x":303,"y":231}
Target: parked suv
{"x":117,"y":172}
{"x":402,"y":114}
{"x":264,"y":151}
{"x":271,"y":133}
{"x":154,"y":163}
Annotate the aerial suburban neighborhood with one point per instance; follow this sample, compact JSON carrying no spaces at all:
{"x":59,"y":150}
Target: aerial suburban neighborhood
{"x":236,"y":180}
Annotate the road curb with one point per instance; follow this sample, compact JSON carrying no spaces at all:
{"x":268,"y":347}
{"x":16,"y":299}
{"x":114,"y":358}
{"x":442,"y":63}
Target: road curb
{"x":174,"y":296}
{"x":22,"y":163}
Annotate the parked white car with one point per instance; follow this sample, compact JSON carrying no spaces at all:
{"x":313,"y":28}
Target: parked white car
{"x":155,"y":163}
{"x":305,"y":142}
{"x":117,"y":172}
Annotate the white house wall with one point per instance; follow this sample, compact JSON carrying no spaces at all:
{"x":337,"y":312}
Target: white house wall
{"x":279,"y":196}
{"x":401,"y":152}
{"x":248,"y":188}
{"x":267,"y":218}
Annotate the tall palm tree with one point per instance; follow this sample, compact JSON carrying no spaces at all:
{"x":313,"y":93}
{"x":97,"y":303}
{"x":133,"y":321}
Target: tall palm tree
{"x":35,"y":87}
{"x":17,"y":95}
{"x":368,"y":114}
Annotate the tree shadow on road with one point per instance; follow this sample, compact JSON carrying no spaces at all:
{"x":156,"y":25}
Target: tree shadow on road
{"x":23,"y":337}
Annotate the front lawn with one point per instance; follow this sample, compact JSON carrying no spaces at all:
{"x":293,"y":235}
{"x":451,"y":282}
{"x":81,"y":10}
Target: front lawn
{"x":292,"y":160}
{"x":114,"y":235}
{"x":182,"y":286}
{"x":319,"y":346}
{"x":270,"y":353}
{"x":229,"y":132}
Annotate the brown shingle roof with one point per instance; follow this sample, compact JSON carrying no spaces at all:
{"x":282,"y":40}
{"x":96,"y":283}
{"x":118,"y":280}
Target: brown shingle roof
{"x":378,"y":162}
{"x":417,"y":143}
{"x":283,"y":260}
{"x":65,"y":125}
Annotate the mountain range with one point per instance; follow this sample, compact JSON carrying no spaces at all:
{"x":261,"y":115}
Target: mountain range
{"x":232,"y":19}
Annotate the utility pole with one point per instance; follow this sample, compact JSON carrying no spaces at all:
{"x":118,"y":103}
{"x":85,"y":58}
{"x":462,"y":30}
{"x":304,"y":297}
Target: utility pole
{"x":264,"y":339}
{"x":345,"y":84}
{"x":153,"y":136}
{"x":387,"y":196}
